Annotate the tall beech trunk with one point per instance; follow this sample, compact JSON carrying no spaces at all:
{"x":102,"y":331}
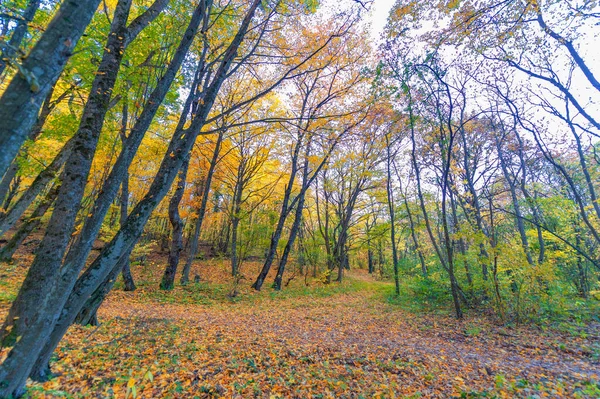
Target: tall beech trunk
{"x":22,"y":99}
{"x":128,"y":235}
{"x":297,"y":220}
{"x":47,"y":108}
{"x":8,"y":250}
{"x":236,"y":209}
{"x":474,"y":210}
{"x":287,"y":203}
{"x":370,"y":258}
{"x":497,"y":293}
{"x":341,"y":254}
{"x":445,"y":259}
{"x":74,"y":177}
{"x":168,"y":279}
{"x":392,"y":213}
{"x":301,"y":250}
{"x":582,"y":281}
{"x":201,"y":210}
{"x":413,"y":235}
{"x":535,"y":211}
{"x":462,"y":246}
{"x":124,"y":200}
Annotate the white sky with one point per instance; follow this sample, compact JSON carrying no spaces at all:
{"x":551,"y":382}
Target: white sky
{"x":378,"y":17}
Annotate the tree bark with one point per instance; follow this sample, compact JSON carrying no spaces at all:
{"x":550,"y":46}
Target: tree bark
{"x":515,"y":201}
{"x":124,"y":201}
{"x":47,"y":108}
{"x":10,"y":50}
{"x":283,"y":214}
{"x":8,"y":220}
{"x":236,"y":209}
{"x":21,"y":101}
{"x":288,"y":247}
{"x":201,"y":211}
{"x":7,"y":252}
{"x":168,"y":279}
{"x":88,"y":313}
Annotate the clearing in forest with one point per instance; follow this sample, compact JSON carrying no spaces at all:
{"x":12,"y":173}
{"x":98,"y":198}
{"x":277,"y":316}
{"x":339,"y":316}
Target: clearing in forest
{"x":320,"y":341}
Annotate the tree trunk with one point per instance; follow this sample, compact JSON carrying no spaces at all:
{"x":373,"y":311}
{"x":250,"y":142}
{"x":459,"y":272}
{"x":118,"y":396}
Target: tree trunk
{"x":283,"y":214}
{"x":371,"y":260}
{"x":88,"y":313}
{"x":21,"y":101}
{"x":124,"y":202}
{"x":413,"y":235}
{"x":535,"y":211}
{"x":168,"y":279}
{"x":236,"y":209}
{"x":28,"y":318}
{"x":392,"y":212}
{"x":445,"y":260}
{"x":14,"y":44}
{"x":515,"y":203}
{"x":288,"y":247}
{"x":128,"y":280}
{"x":201,"y":211}
{"x":8,"y":220}
{"x":28,"y":226}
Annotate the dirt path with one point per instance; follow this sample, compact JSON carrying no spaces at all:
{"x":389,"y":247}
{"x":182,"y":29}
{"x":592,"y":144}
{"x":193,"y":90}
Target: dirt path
{"x":348,"y":345}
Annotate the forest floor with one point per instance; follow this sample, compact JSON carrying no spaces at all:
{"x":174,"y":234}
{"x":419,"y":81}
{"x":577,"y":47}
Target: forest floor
{"x":318,"y":341}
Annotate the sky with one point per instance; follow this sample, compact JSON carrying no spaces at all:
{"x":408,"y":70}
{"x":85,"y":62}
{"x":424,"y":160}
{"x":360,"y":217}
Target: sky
{"x":378,"y":16}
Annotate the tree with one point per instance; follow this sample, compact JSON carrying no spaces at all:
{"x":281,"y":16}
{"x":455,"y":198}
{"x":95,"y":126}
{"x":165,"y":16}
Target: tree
{"x":21,"y":101}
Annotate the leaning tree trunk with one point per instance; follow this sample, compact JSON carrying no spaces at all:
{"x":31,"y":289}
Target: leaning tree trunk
{"x":124,"y":199}
{"x":10,"y":49}
{"x":21,"y":101}
{"x":126,"y":271}
{"x":515,"y":202}
{"x":10,"y":218}
{"x":288,"y":247}
{"x":88,"y":315}
{"x":13,"y":169}
{"x":276,"y":235}
{"x":392,"y":213}
{"x":168,"y":279}
{"x":29,"y":225}
{"x":74,"y":178}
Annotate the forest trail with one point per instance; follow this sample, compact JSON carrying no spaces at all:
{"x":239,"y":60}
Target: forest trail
{"x":331,"y":342}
